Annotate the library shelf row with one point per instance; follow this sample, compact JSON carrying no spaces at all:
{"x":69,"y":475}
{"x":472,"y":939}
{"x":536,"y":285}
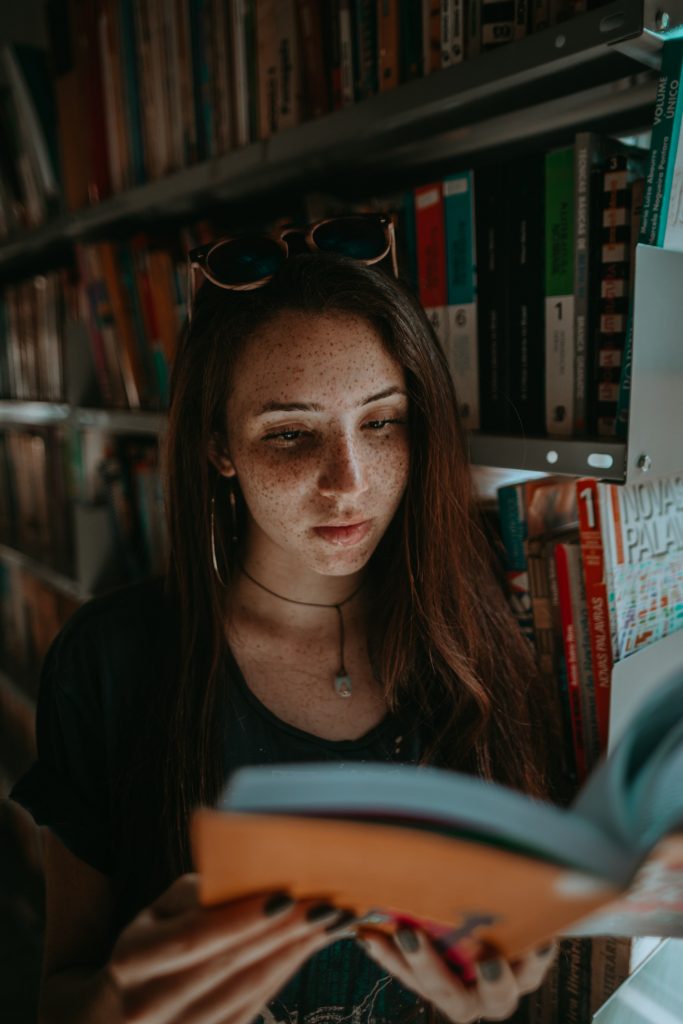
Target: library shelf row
{"x":371,"y":144}
{"x":652,"y":448}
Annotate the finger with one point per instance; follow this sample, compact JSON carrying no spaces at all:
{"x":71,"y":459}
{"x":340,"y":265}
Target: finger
{"x":420,"y":967}
{"x":242,"y":997}
{"x":182,"y":895}
{"x":177,"y":991}
{"x":154,"y":946}
{"x":496,"y":989}
{"x":531,"y":970}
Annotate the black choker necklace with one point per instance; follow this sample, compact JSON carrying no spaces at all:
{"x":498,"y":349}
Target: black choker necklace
{"x":342,"y":680}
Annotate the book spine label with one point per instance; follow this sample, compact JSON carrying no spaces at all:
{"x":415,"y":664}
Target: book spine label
{"x":593,"y":556}
{"x":559,"y":291}
{"x":667,"y":114}
{"x":346,"y":53}
{"x":452,"y":32}
{"x":591,"y":734}
{"x":431,"y":256}
{"x":462,"y":349}
{"x":492,"y":298}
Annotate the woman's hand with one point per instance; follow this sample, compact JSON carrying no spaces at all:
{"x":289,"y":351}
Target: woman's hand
{"x":414,"y":961}
{"x":178,"y":960}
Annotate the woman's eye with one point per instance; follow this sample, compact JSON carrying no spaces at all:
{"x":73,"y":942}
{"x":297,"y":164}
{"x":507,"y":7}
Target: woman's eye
{"x":286,"y":436}
{"x":380,"y":424}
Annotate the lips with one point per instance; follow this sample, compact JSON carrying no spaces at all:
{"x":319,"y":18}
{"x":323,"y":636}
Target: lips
{"x":344,"y":535}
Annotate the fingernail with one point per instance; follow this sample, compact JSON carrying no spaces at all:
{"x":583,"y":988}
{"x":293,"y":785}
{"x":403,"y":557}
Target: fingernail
{"x":319,"y":911}
{"x":278,"y":902}
{"x":363,"y":943}
{"x":345,"y":918}
{"x":491,"y":970}
{"x":407,"y":940}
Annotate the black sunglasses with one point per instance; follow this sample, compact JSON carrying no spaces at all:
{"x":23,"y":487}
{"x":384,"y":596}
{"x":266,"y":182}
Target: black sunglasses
{"x":245,"y":262}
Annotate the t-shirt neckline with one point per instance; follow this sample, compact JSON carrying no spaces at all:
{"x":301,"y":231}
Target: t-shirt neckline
{"x":363,"y":741}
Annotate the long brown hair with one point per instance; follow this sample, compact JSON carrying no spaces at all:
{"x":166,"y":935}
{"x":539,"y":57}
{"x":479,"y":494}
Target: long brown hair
{"x":443,"y":634}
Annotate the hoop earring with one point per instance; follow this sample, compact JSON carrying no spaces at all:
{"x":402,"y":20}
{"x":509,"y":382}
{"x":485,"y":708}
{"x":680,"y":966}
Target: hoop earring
{"x":212,"y":518}
{"x":233,"y":512}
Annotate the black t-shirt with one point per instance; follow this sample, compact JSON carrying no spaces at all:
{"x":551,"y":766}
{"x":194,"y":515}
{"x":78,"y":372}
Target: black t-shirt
{"x":90,"y":699}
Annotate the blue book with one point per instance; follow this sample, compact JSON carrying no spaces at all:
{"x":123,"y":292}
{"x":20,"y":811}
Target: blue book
{"x":461,"y":284}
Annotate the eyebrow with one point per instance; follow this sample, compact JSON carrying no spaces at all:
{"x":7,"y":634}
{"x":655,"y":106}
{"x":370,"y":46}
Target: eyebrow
{"x":315,"y":407}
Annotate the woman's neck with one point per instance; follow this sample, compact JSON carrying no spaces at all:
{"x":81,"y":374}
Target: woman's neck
{"x":273,"y":591}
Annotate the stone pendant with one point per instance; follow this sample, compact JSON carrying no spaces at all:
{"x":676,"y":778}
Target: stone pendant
{"x":342,"y":684}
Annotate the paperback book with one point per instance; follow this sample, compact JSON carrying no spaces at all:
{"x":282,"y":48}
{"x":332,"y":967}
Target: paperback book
{"x":473,"y":863}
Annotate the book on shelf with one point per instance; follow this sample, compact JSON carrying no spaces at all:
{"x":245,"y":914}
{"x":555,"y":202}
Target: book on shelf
{"x":524,"y":267}
{"x":661,"y":206}
{"x":461,"y":293}
{"x":430,"y":240}
{"x":492,"y":297}
{"x":472,"y":862}
{"x":559,"y":291}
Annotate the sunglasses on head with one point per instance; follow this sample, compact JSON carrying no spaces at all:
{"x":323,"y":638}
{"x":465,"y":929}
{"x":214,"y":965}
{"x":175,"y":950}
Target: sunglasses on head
{"x":245,"y":262}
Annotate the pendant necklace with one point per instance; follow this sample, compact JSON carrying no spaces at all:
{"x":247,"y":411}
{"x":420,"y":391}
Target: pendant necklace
{"x":342,"y":680}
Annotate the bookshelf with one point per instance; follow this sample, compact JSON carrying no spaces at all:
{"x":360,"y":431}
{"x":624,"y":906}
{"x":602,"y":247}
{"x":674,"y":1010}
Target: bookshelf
{"x":597,"y":71}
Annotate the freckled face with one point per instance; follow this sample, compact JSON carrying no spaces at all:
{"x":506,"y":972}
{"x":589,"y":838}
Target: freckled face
{"x":317,"y":429}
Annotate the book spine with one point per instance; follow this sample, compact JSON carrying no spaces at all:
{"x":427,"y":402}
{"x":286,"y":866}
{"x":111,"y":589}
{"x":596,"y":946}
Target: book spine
{"x":410,"y":39}
{"x":559,"y":291}
{"x":431,"y":36}
{"x":613,"y":303}
{"x":431,"y":256}
{"x":131,"y":366}
{"x":540,"y":14}
{"x":313,"y":58}
{"x":525,"y":213}
{"x":609,"y":968}
{"x":365,"y":24}
{"x":587,"y":149}
{"x":623,"y":402}
{"x":131,"y":90}
{"x":591,"y":733}
{"x":521,"y":18}
{"x":452,"y":32}
{"x":388,"y":44}
{"x":497,"y":23}
{"x":492,"y":298}
{"x":570,"y":642}
{"x":461,"y":263}
{"x":593,"y":557}
{"x":346,"y":52}
{"x":240,"y":84}
{"x":666,"y":117}
{"x":99,"y":179}
{"x":473,"y":29}
{"x":574,"y":981}
{"x":513,"y":528}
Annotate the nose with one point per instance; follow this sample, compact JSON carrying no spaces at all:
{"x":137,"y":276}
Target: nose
{"x":342,"y":470}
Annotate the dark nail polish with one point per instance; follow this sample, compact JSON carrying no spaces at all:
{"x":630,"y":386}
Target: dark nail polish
{"x":407,"y":940}
{"x":345,"y":917}
{"x":320,"y":910}
{"x":278,"y":901}
{"x":491,"y":970}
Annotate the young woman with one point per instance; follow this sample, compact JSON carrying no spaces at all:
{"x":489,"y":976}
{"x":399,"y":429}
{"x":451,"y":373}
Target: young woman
{"x":329,"y":596}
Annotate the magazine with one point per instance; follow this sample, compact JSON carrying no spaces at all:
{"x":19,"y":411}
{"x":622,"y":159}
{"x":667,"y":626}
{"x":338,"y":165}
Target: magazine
{"x":475,"y":864}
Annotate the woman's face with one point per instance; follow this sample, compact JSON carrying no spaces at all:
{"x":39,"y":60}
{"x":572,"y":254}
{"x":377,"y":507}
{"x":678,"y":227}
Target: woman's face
{"x":318,"y":440}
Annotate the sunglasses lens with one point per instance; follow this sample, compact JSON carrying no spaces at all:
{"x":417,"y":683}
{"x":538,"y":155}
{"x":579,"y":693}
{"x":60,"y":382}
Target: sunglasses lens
{"x":359,"y":237}
{"x":245,"y":260}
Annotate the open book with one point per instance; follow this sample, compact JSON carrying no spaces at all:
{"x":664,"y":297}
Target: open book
{"x":473,"y":863}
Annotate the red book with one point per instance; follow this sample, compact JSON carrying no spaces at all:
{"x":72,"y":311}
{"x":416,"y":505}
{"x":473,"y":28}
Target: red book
{"x":430,"y":234}
{"x":593,"y":556}
{"x":569,"y":640}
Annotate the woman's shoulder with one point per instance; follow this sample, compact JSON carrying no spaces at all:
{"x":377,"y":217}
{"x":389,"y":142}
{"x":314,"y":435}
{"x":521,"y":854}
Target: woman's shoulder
{"x":115,"y":633}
